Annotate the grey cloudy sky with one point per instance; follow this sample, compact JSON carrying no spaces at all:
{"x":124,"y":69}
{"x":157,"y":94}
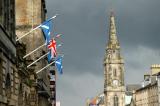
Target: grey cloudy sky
{"x":84,"y":25}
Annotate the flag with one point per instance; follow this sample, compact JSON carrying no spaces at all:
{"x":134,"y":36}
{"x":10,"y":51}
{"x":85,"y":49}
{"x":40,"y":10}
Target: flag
{"x":52,"y":50}
{"x":46,"y":28}
{"x":49,"y":56}
{"x":58,"y":64}
{"x":53,"y":47}
{"x":44,"y":25}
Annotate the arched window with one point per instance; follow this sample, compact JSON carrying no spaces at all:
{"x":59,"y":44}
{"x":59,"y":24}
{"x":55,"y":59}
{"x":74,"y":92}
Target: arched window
{"x":1,"y":10}
{"x":109,"y":56}
{"x":8,"y":81}
{"x":20,"y":88}
{"x":115,"y":73}
{"x":8,"y":85}
{"x":20,"y":95}
{"x":115,"y":100}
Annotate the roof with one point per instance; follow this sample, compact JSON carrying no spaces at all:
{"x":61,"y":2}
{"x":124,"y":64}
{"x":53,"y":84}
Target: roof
{"x":93,"y":101}
{"x":147,"y":86}
{"x":131,"y":87}
{"x":98,"y":100}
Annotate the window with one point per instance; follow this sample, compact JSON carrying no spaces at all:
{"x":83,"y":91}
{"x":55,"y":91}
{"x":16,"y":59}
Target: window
{"x":0,"y":7}
{"x":109,"y":56}
{"x":115,"y":100}
{"x":6,"y":14}
{"x":8,"y":81}
{"x":1,"y":79}
{"x":1,"y":11}
{"x":115,"y":73}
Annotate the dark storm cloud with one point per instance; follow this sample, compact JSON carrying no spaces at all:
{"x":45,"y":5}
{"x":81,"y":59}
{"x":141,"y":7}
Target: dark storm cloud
{"x":138,"y":22}
{"x":84,"y":25}
{"x":83,"y":28}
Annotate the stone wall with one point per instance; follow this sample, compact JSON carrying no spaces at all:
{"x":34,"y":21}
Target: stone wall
{"x":9,"y":81}
{"x":29,"y":14}
{"x":9,"y":78}
{"x":147,"y":96}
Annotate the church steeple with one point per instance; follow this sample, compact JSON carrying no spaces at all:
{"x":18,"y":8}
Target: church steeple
{"x":113,"y":47}
{"x":114,"y":87}
{"x":113,"y":41}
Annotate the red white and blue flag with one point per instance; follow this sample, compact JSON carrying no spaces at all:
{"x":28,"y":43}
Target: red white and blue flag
{"x":52,"y":46}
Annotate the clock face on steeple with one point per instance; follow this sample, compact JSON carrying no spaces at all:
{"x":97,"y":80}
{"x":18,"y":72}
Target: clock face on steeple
{"x":115,"y":82}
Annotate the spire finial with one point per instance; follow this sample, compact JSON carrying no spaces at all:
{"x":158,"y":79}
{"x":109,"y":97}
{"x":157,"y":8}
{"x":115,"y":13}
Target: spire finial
{"x":112,"y":30}
{"x":112,"y":13}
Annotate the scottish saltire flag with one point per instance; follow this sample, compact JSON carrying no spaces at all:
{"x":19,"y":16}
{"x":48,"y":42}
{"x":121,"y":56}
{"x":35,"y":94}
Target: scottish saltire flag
{"x":46,"y":28}
{"x":49,"y":56}
{"x":58,"y":64}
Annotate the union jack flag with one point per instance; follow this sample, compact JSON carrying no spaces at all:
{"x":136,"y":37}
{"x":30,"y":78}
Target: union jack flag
{"x":52,"y":47}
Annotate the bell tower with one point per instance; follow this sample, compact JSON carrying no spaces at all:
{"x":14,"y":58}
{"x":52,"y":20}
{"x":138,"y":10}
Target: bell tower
{"x":114,"y":88}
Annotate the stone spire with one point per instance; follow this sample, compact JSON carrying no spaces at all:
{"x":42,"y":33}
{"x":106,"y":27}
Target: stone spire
{"x":114,"y":87}
{"x":113,"y":41}
{"x":113,"y":46}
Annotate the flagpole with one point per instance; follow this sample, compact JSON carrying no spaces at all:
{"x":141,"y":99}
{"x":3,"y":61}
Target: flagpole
{"x":59,"y":45}
{"x":52,"y":17}
{"x":58,"y":35}
{"x":38,"y":59}
{"x":45,"y":67}
{"x":35,"y":28}
{"x":34,"y":50}
{"x":27,"y":33}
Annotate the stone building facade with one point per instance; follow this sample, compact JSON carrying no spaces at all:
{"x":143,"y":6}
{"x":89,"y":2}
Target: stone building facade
{"x":148,"y":94}
{"x":25,"y":96}
{"x":8,"y":71}
{"x":114,"y":88}
{"x":29,"y":14}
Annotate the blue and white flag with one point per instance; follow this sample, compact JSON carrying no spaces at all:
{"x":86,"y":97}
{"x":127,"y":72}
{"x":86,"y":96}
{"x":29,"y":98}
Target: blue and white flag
{"x":58,"y":64}
{"x":49,"y":56}
{"x":46,"y":28}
